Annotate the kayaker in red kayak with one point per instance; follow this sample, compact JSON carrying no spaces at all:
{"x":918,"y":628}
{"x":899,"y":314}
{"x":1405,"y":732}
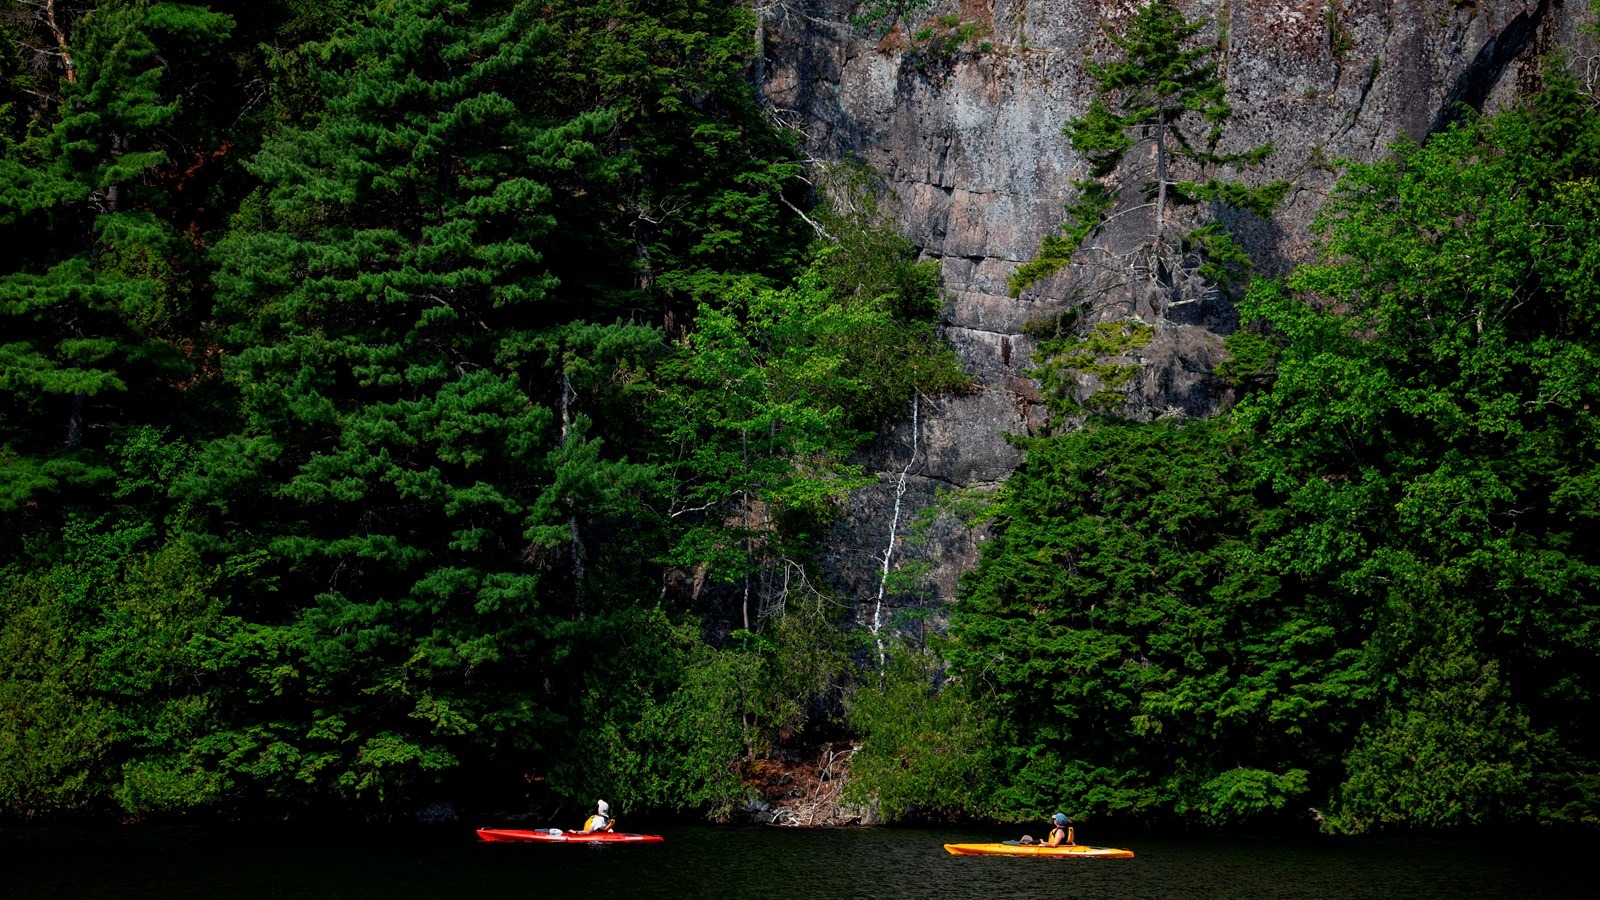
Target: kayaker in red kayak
{"x":1060,"y":833}
{"x":600,"y":821}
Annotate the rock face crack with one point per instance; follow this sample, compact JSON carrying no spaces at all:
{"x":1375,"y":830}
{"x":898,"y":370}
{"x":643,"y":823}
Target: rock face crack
{"x":1361,"y":99}
{"x":975,"y":330}
{"x":951,"y":483}
{"x":1473,"y":85}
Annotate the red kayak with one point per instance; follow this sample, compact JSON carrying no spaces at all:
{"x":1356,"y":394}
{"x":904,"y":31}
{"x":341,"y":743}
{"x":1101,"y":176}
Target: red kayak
{"x":557,"y":836}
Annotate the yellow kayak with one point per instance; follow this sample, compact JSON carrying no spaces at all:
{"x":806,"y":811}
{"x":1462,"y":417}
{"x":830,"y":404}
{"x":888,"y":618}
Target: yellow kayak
{"x":1012,"y":848}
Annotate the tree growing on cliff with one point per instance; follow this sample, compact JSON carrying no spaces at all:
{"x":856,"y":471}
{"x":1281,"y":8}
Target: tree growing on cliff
{"x":1151,"y":136}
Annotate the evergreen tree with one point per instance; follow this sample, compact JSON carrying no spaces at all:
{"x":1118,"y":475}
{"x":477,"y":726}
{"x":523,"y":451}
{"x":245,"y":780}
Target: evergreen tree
{"x":702,"y":199}
{"x":414,"y":477}
{"x":443,"y":299}
{"x":99,"y":296}
{"x":1145,"y":659}
{"x":1154,"y":127}
{"x":105,"y":173}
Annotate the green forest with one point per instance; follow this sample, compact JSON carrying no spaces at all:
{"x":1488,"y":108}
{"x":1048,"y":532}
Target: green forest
{"x":407,"y":402}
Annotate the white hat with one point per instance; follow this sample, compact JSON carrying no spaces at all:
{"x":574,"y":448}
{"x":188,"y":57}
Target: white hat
{"x":604,"y":808}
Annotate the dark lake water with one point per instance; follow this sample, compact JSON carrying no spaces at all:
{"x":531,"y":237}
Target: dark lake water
{"x":176,"y":863}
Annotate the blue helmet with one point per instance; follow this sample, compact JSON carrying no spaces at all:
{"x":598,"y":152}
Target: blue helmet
{"x":1061,"y":818}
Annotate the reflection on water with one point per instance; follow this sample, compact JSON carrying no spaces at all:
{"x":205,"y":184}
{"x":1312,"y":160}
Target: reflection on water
{"x":171,"y":863}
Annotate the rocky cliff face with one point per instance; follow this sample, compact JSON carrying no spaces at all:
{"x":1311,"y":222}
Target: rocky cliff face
{"x":967,"y":134}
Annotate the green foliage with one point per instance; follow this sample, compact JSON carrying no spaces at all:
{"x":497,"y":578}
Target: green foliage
{"x":865,"y":262}
{"x":101,"y":292}
{"x":936,"y":45}
{"x":775,"y":388}
{"x":700,"y":195}
{"x":416,"y":452}
{"x":1142,"y":654}
{"x":660,"y":720}
{"x":157,"y":649}
{"x":1440,"y":412}
{"x":22,"y":86}
{"x":1157,"y":79}
{"x":806,"y":665}
{"x":1103,"y":356}
{"x":926,"y":749}
{"x":1340,"y":40}
{"x":863,"y":257}
{"x":667,"y":720}
{"x":1152,"y":97}
{"x":294,"y":35}
{"x":1455,"y":748}
{"x":1251,"y":356}
{"x":1084,"y":215}
{"x":112,"y":628}
{"x":879,"y":17}
{"x":54,"y":734}
{"x":1240,"y":795}
{"x":757,"y":428}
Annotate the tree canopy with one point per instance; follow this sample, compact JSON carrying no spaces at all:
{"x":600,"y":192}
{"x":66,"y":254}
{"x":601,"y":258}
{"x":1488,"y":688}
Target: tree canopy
{"x":446,"y":401}
{"x":1366,"y":594}
{"x":366,"y":423}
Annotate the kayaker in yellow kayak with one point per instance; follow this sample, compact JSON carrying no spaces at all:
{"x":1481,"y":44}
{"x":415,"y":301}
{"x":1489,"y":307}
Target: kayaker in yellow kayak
{"x":1060,"y":833}
{"x":600,"y":821}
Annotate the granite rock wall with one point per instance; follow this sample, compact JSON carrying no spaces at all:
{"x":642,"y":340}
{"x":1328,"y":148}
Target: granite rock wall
{"x":969,"y":141}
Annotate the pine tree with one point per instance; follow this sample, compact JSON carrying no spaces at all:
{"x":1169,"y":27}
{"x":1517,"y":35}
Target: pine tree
{"x":1153,"y":128}
{"x":98,"y":293}
{"x":415,"y":470}
{"x":106,"y":163}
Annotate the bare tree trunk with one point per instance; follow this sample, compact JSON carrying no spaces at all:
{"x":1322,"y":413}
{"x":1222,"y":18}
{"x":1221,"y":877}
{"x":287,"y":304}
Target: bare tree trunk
{"x":1161,"y":174}
{"x":61,"y":41}
{"x":760,"y":59}
{"x":744,"y":601}
{"x":579,"y":566}
{"x":75,"y":420}
{"x":894,"y":527}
